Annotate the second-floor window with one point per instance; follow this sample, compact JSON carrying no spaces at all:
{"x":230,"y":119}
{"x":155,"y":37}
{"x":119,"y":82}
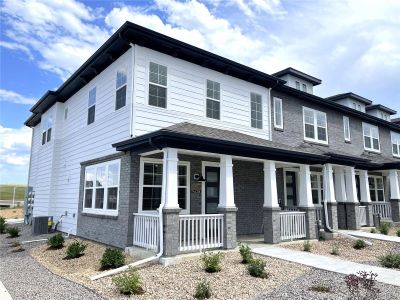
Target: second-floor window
{"x":297,"y":85}
{"x":91,"y":106}
{"x":213,"y":100}
{"x":315,"y":126}
{"x":346,"y":128}
{"x":256,"y":110}
{"x":371,"y":137}
{"x":304,"y":87}
{"x":396,"y":144}
{"x":278,"y":116}
{"x":157,"y":85}
{"x":120,"y":94}
{"x":46,"y":129}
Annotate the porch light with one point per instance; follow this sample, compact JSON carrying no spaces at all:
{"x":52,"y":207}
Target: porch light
{"x":199,"y":177}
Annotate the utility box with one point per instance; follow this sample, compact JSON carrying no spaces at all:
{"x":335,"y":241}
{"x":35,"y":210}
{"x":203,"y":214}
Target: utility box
{"x":40,"y":225}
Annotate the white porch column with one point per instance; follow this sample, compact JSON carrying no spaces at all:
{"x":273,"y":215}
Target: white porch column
{"x":270,"y":189}
{"x":351,"y":188}
{"x":305,"y":195}
{"x":329,"y":190}
{"x":170,"y":182}
{"x":364,"y":186}
{"x":340,"y":186}
{"x":394,"y":184}
{"x":226,"y":194}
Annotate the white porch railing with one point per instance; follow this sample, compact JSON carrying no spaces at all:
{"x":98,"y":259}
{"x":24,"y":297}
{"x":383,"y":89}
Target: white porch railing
{"x":198,"y":232}
{"x":362,"y":213}
{"x":384,"y":209}
{"x":146,"y":231}
{"x":293,"y":225}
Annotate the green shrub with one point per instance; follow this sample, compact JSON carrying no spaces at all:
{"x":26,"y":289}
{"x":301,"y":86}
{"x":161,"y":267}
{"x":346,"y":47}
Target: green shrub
{"x":373,"y":230}
{"x":3,"y":225}
{"x":203,"y":290}
{"x":307,"y":246}
{"x":384,"y":228}
{"x":391,"y":260}
{"x":212,"y":262}
{"x":398,"y":233}
{"x":75,"y":250}
{"x":13,"y":232}
{"x":359,"y":244}
{"x":245,"y":252}
{"x":56,"y":241}
{"x":112,"y":258}
{"x":335,"y":250}
{"x":256,"y":268}
{"x":129,"y":283}
{"x":320,"y":288}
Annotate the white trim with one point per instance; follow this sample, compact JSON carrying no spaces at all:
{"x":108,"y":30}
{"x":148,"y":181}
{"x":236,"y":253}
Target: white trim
{"x":346,"y":122}
{"x":262,"y":111}
{"x":315,"y":140}
{"x":205,"y":164}
{"x":148,"y":82}
{"x":395,"y":140}
{"x":213,"y":99}
{"x":281,"y":112}
{"x":296,"y":171}
{"x":371,"y":127}
{"x":375,"y":190}
{"x":320,"y":188}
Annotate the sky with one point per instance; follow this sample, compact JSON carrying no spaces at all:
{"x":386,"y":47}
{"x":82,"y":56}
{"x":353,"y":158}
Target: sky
{"x":350,"y":45}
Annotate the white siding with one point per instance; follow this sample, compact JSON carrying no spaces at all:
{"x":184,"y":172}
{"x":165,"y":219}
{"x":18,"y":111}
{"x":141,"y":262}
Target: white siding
{"x":350,"y":103}
{"x":291,"y":81}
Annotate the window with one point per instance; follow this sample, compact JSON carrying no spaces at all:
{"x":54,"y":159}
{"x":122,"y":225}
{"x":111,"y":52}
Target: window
{"x":346,"y":128}
{"x":376,"y":188}
{"x":395,"y":143}
{"x":46,"y":129}
{"x":213,"y":100}
{"x":183,"y":186}
{"x":354,"y":105}
{"x":317,"y":187}
{"x":315,"y":126}
{"x":359,"y":107}
{"x":371,"y":137}
{"x":304,"y":87}
{"x":297,"y":85}
{"x":256,"y":111}
{"x":65,"y":113}
{"x":278,"y":116}
{"x":120,"y":94}
{"x":157,"y":85}
{"x":101,"y":188}
{"x":91,"y":106}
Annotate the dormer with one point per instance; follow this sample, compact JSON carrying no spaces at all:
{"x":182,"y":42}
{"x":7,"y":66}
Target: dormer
{"x":380,"y":111}
{"x":298,"y":80}
{"x":351,"y":100}
{"x":395,"y":121}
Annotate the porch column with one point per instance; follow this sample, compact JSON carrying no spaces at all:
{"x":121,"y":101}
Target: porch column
{"x":351,"y":206}
{"x":366,"y":197}
{"x":341,"y":197}
{"x":171,"y":208}
{"x":271,"y":219}
{"x":329,"y":197}
{"x":226,"y":204}
{"x":394,"y":194}
{"x":305,"y":201}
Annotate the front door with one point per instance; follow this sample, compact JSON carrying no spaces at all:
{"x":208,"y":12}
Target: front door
{"x":211,"y":190}
{"x":291,"y":192}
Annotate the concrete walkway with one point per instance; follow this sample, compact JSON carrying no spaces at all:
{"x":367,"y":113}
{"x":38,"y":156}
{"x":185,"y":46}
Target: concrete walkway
{"x":329,"y":264}
{"x":375,"y":236}
{"x":4,"y":294}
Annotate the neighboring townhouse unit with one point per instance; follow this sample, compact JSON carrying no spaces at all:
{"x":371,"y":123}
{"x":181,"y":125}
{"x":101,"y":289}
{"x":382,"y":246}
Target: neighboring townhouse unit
{"x":152,"y":135}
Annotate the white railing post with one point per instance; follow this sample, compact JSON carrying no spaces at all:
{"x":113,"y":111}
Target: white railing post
{"x":293,"y":225}
{"x":145,"y":231}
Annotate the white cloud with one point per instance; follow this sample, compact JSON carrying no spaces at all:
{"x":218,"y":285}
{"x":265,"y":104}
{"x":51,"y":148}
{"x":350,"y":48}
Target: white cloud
{"x":15,"y":46}
{"x":13,"y":97}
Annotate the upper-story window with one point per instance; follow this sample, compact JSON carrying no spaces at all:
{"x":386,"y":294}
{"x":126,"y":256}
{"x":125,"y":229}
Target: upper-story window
{"x":157,"y":85}
{"x":371,"y":137}
{"x":396,"y":144}
{"x":354,"y":105}
{"x":315,"y":126}
{"x":278,"y":116}
{"x":120,"y":94}
{"x":213,"y":99}
{"x":297,"y":85}
{"x":47,"y":124}
{"x":304,"y":87}
{"x":256,"y":111}
{"x":346,"y":129}
{"x":91,"y":106}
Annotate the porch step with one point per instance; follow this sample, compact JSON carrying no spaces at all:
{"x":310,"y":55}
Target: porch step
{"x":375,"y":236}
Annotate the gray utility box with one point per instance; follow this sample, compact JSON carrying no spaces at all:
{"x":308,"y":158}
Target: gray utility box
{"x":40,"y":225}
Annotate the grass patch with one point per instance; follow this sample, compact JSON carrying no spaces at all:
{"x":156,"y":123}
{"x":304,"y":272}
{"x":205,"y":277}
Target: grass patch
{"x":7,"y":191}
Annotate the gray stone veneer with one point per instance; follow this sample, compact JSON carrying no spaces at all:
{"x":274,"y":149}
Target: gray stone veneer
{"x":272,"y":225}
{"x":353,"y":220}
{"x":395,"y":204}
{"x":311,"y":225}
{"x":229,"y":230}
{"x":332,"y":215}
{"x":171,"y":231}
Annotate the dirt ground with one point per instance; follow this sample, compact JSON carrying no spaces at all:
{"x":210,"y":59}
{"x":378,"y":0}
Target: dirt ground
{"x":12,"y":213}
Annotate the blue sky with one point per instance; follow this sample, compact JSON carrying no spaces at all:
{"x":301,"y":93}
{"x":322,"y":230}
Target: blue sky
{"x":351,"y":45}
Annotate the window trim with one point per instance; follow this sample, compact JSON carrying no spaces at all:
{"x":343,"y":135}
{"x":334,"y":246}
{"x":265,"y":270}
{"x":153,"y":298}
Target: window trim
{"x":370,"y":137}
{"x":281,"y":112}
{"x":304,"y":87}
{"x":93,"y":105}
{"x":320,"y":186}
{"x":214,"y":99}
{"x":104,"y":210}
{"x":375,"y":178}
{"x":262,"y":111}
{"x":121,"y":87}
{"x":392,"y":134}
{"x":346,"y":122}
{"x":315,"y":140}
{"x":298,"y":85}
{"x":155,"y":61}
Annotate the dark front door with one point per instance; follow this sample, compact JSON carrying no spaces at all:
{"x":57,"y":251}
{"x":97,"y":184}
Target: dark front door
{"x":212,"y":189}
{"x":291,"y":192}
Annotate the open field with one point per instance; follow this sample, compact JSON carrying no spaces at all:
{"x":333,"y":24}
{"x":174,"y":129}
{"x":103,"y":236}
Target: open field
{"x":7,"y":190}
{"x":12,"y":213}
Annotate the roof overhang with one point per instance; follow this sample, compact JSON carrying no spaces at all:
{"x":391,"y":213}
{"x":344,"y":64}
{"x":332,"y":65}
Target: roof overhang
{"x":351,"y":96}
{"x":290,"y":71}
{"x":382,"y":108}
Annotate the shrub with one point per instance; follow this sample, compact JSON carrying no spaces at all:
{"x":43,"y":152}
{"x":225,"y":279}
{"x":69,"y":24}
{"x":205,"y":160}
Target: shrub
{"x":13,"y":232}
{"x":320,"y":288}
{"x":384,"y":228}
{"x":391,"y":260}
{"x":256,"y":268}
{"x":3,"y":225}
{"x":245,"y":252}
{"x":129,"y":282}
{"x":112,"y":258}
{"x":398,"y":233}
{"x":56,"y":241}
{"x":373,"y":230}
{"x":75,"y":250}
{"x":359,"y":244}
{"x":362,"y":285}
{"x":335,"y":250}
{"x":203,"y":290}
{"x":307,"y":246}
{"x":212,"y":262}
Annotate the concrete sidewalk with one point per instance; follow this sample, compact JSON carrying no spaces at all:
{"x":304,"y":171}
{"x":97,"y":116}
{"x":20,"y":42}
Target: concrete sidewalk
{"x":375,"y":236}
{"x":4,"y":294}
{"x":14,"y":221}
{"x":329,"y":264}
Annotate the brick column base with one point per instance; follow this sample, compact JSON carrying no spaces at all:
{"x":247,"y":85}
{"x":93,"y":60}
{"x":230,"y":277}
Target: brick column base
{"x":332,"y":208}
{"x":352,"y":218}
{"x":369,"y":213}
{"x":395,"y":205}
{"x":341,"y":215}
{"x":272,"y":225}
{"x":171,"y":231}
{"x":311,"y":225}
{"x":229,"y":230}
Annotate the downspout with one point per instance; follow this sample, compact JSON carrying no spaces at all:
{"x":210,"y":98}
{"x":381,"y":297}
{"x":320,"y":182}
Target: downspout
{"x":131,"y":129}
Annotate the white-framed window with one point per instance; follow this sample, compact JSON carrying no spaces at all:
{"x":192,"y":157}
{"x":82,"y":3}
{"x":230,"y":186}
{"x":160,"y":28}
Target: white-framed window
{"x":297,"y":85}
{"x":151,"y":174}
{"x":346,"y":129}
{"x":278,"y":115}
{"x":317,"y":187}
{"x":371,"y":137}
{"x":256,"y":111}
{"x":157,"y":85}
{"x":354,"y":105}
{"x":359,"y":107}
{"x":66,"y":113}
{"x":101,"y":189}
{"x":213,"y":100}
{"x":395,"y":143}
{"x":376,"y":188}
{"x":91,"y":106}
{"x":120,"y":89}
{"x":315,"y":126}
{"x":47,"y":125}
{"x":304,"y":87}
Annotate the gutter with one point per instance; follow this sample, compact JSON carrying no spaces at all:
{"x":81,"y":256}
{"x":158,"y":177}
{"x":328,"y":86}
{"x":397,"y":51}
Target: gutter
{"x":131,"y":129}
